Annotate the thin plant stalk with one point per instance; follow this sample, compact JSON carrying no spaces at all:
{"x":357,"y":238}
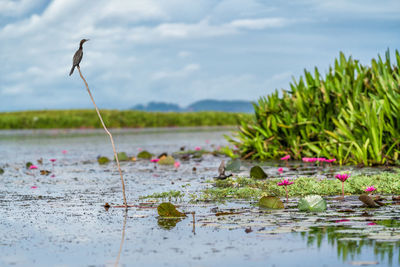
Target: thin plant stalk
{"x":109,"y":134}
{"x":287,"y":196}
{"x":342,"y":189}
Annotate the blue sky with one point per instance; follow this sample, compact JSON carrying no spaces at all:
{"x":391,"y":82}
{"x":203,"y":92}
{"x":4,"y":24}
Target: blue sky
{"x":178,"y":51}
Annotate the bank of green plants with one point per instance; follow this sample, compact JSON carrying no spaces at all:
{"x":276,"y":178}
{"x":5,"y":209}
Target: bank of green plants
{"x":51,"y":119}
{"x":352,"y":113}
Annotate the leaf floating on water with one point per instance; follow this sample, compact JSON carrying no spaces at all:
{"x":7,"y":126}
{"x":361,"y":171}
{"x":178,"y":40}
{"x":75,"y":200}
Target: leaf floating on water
{"x":271,"y":202}
{"x":1,"y":171}
{"x":103,"y":160}
{"x":166,"y":160}
{"x":122,"y":156}
{"x":44,"y":172}
{"x":367,"y":200}
{"x":257,"y":172}
{"x":313,"y":203}
{"x":233,"y":165}
{"x":169,"y":210}
{"x":144,"y":155}
{"x":28,"y":164}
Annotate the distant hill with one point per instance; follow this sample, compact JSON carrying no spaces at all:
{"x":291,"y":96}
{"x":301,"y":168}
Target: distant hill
{"x":202,"y":105}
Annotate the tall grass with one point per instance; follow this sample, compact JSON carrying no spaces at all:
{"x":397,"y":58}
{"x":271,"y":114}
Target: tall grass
{"x":50,"y":119}
{"x":352,"y":113}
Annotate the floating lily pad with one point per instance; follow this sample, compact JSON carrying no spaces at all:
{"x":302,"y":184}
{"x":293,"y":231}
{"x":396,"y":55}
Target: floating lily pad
{"x":257,"y":172}
{"x":103,"y":160}
{"x":312,"y":203}
{"x":28,"y":164}
{"x":122,"y":156}
{"x":167,"y":209}
{"x":271,"y":202}
{"x":166,"y":160}
{"x":367,"y":200}
{"x":1,"y":171}
{"x":144,"y":155}
{"x":168,"y":223}
{"x":233,"y":165}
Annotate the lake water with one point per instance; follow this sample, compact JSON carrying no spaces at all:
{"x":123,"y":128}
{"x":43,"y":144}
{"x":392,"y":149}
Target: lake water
{"x":59,"y":219}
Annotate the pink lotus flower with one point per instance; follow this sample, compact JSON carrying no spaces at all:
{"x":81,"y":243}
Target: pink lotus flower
{"x":342,"y":178}
{"x":53,"y":160}
{"x":197,"y":148}
{"x":33,"y":167}
{"x":280,"y":170}
{"x":285,"y":183}
{"x":342,"y":220}
{"x":285,"y":157}
{"x":177,"y":164}
{"x":34,"y":187}
{"x":370,"y":189}
{"x":154,"y":160}
{"x":64,"y":152}
{"x":371,"y":223}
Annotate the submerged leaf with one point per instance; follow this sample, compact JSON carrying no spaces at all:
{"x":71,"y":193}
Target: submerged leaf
{"x":271,"y":203}
{"x":233,"y":165}
{"x":144,"y":155}
{"x":167,"y":209}
{"x":314,"y":203}
{"x":367,"y":200}
{"x":257,"y":172}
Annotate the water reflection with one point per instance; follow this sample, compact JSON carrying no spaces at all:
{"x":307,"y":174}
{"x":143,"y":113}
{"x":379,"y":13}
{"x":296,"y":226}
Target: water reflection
{"x":351,"y":243}
{"x":168,"y":223}
{"x":122,"y":238}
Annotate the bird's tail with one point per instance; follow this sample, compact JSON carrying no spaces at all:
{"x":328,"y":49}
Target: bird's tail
{"x":72,"y":70}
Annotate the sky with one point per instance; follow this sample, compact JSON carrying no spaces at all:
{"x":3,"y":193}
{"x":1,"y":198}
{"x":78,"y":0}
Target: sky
{"x":178,"y":51}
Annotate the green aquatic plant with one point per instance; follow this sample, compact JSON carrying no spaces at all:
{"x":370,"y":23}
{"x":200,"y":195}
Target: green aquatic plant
{"x":103,"y":160}
{"x":351,"y":113}
{"x":165,"y":195}
{"x":144,"y":155}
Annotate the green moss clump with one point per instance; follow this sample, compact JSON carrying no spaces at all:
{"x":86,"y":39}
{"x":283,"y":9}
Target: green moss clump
{"x":144,"y":155}
{"x":168,"y":160}
{"x":103,"y":160}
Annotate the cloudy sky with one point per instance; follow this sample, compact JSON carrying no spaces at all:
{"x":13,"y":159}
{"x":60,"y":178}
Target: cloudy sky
{"x":178,"y":51}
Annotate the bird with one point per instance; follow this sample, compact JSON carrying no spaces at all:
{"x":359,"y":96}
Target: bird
{"x":78,"y":56}
{"x":221,"y":171}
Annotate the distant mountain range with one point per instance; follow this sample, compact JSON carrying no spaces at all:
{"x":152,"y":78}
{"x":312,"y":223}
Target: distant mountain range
{"x":202,"y":105}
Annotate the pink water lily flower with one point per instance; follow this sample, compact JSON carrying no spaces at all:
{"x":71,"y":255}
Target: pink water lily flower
{"x":342,"y":177}
{"x":371,"y":223}
{"x":34,"y":187}
{"x":280,"y":170}
{"x":321,"y":159}
{"x":197,"y":148}
{"x":33,"y":167}
{"x":285,"y":183}
{"x":154,"y":160}
{"x":53,"y":160}
{"x":370,"y":189}
{"x":285,"y":157}
{"x":64,"y":151}
{"x":177,"y":164}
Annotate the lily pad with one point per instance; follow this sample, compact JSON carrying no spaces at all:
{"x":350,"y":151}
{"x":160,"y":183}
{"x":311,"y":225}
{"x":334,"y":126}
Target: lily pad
{"x":257,"y":172}
{"x":367,"y":200}
{"x":313,"y":203}
{"x":233,"y":165}
{"x":166,"y":160}
{"x":1,"y":171}
{"x":168,"y":210}
{"x":103,"y":160}
{"x":271,"y":202}
{"x":28,"y":164}
{"x":144,"y":155}
{"x":122,"y":156}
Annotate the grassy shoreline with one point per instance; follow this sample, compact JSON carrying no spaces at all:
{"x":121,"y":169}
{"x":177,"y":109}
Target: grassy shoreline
{"x":87,"y":118}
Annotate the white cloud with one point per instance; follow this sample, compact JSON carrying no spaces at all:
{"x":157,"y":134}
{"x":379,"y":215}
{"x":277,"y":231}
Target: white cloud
{"x":259,"y":24}
{"x":185,"y":71}
{"x":14,"y":8}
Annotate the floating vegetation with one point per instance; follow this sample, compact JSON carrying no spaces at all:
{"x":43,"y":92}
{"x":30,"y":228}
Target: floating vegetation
{"x":258,"y":173}
{"x":271,"y":202}
{"x":166,"y":160}
{"x":103,"y":160}
{"x":313,"y":203}
{"x":167,"y":209}
{"x":172,"y":194}
{"x":122,"y":156}
{"x":144,"y":155}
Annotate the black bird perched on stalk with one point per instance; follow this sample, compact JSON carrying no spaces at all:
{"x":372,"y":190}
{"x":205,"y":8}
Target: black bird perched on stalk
{"x":78,"y":56}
